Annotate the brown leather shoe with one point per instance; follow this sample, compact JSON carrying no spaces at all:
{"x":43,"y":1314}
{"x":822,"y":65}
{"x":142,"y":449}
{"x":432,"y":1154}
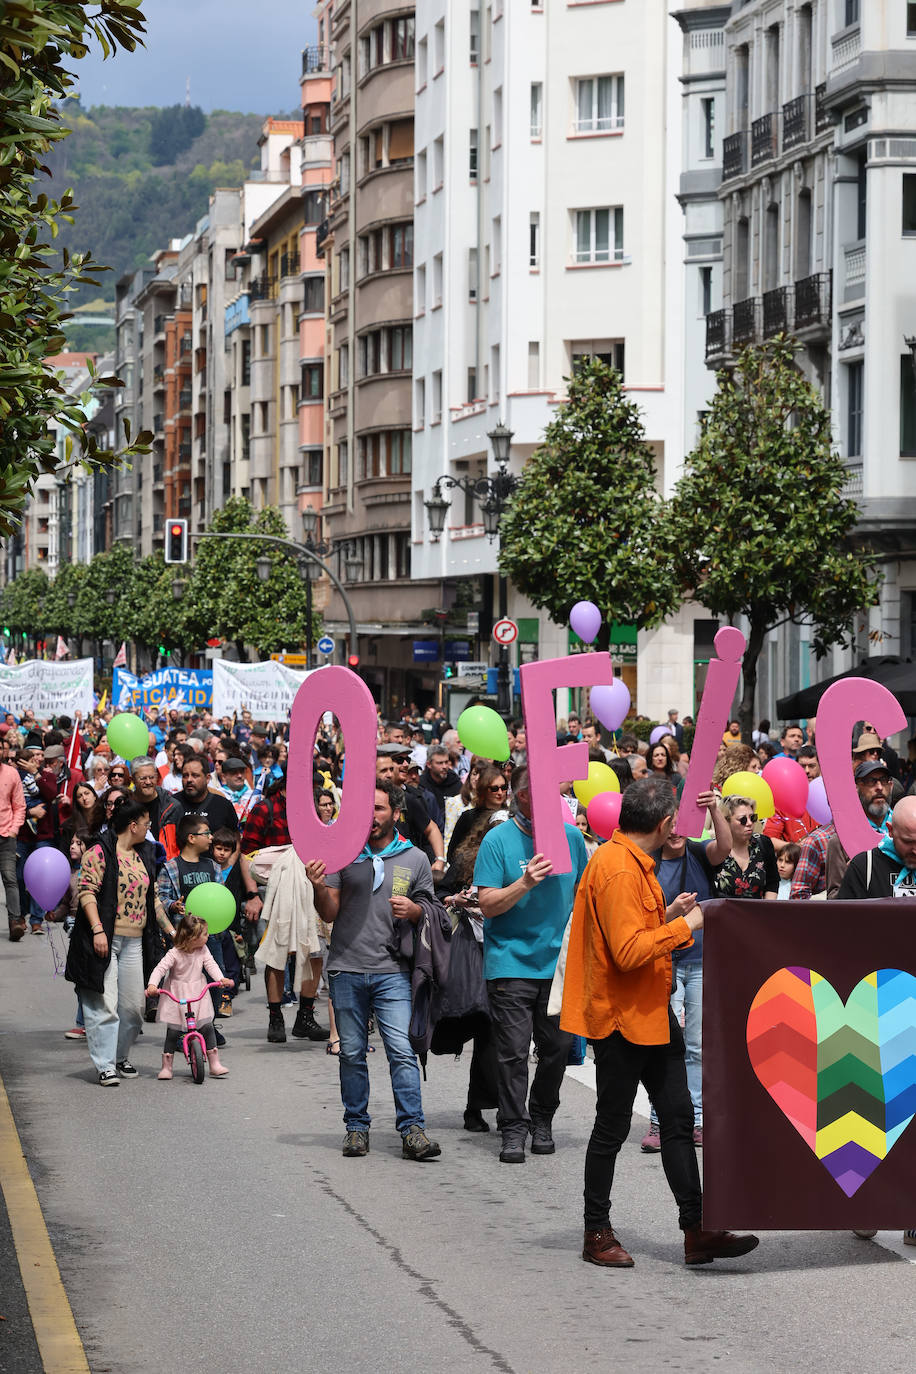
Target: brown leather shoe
{"x":17,"y":930}
{"x":603,"y":1247}
{"x":702,"y":1247}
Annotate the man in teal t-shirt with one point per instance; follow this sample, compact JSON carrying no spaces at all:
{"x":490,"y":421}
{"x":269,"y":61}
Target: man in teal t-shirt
{"x":525,"y":907}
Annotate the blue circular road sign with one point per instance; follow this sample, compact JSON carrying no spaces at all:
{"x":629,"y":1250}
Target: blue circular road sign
{"x":326,"y":645}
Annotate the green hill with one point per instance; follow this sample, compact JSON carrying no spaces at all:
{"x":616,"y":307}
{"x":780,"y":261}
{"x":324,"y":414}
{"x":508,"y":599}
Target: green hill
{"x":141,"y":177}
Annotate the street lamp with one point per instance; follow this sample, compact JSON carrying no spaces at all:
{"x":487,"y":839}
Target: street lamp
{"x":493,"y":492}
{"x":312,"y":569}
{"x":178,"y":588}
{"x":263,"y":568}
{"x":353,"y":564}
{"x":111,"y":596}
{"x":71,"y":599}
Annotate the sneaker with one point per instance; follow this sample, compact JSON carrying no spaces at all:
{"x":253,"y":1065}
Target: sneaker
{"x":542,"y":1138}
{"x":127,"y":1070}
{"x":109,"y":1079}
{"x":276,"y":1031}
{"x":77,"y":1033}
{"x":416,"y":1144}
{"x":651,"y":1142}
{"x":305,"y":1027}
{"x":225,"y":1006}
{"x":513,"y":1150}
{"x":909,"y":1237}
{"x":38,"y":930}
{"x":356,"y":1144}
{"x":698,"y":1137}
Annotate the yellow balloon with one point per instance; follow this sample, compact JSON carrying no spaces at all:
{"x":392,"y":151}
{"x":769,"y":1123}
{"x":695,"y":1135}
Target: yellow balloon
{"x":754,"y":786}
{"x":600,"y":779}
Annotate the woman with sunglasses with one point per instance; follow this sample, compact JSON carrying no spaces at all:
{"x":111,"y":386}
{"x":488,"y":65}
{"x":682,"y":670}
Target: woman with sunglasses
{"x":750,"y":868}
{"x":119,"y":775}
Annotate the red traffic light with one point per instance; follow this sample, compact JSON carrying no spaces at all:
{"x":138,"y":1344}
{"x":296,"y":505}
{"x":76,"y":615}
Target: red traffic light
{"x":175,"y":530}
{"x":353,"y":661}
{"x":176,"y":541}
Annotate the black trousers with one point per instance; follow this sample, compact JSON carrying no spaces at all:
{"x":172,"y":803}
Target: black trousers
{"x":620,"y":1067}
{"x":175,"y":1034}
{"x":518,"y":1011}
{"x":483,"y":1094}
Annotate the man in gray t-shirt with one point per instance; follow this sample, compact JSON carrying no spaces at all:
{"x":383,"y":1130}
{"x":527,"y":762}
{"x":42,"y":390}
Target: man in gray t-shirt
{"x":365,"y":904}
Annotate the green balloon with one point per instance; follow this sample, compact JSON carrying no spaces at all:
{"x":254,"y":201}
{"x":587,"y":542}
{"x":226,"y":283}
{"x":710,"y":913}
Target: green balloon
{"x":483,"y":732}
{"x":214,"y":904}
{"x":128,"y":736}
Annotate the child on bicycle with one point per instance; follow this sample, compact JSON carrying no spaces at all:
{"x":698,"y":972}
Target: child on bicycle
{"x":184,"y":969}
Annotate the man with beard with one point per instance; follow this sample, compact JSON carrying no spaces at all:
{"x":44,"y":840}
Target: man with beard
{"x":873,"y":784}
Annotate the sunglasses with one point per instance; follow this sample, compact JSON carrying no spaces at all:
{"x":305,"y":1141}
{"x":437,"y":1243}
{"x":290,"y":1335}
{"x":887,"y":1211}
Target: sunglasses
{"x":498,"y":787}
{"x":745,"y":820}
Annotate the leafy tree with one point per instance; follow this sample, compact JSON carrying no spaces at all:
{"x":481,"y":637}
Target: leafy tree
{"x":36,"y":40}
{"x":148,"y":612}
{"x":173,"y":129}
{"x":58,"y":617}
{"x":759,"y":524}
{"x":22,"y":604}
{"x":585,"y":521}
{"x":107,"y":573}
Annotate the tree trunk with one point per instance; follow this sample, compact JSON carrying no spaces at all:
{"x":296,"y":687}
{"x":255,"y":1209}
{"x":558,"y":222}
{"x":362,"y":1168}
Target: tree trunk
{"x":749,"y":679}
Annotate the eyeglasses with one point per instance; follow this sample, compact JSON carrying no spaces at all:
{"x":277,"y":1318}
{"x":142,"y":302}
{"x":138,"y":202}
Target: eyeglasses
{"x":198,"y":833}
{"x":498,"y":787}
{"x":745,"y":820}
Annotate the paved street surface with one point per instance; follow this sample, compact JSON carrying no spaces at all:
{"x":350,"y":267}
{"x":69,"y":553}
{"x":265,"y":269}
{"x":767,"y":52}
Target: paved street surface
{"x":219,"y":1227}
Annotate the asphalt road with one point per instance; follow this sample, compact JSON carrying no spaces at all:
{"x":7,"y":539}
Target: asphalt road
{"x":219,"y":1227}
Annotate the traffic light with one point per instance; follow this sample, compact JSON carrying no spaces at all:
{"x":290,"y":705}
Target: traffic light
{"x":176,"y":541}
{"x":6,"y":631}
{"x":353,"y":662}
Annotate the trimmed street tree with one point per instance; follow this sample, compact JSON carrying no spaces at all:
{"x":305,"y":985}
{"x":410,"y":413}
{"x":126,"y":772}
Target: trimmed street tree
{"x":585,"y":522}
{"x":759,"y":525}
{"x":36,"y":40}
{"x":23,"y":606}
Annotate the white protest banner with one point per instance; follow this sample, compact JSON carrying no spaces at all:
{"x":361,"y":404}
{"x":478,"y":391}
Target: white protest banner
{"x":48,"y":689}
{"x":265,"y":689}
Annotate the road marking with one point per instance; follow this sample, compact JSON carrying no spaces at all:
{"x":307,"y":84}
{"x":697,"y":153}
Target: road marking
{"x":55,"y":1330}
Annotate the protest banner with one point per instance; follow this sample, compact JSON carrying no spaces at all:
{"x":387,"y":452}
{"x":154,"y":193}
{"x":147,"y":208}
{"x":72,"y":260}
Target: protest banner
{"x":267,"y":689}
{"x":186,"y":688}
{"x":47,"y":688}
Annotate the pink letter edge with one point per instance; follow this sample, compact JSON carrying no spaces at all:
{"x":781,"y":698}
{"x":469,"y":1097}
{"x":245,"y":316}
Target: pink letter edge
{"x":721,"y":682}
{"x":855,"y":698}
{"x":340,"y":690}
{"x":548,"y":764}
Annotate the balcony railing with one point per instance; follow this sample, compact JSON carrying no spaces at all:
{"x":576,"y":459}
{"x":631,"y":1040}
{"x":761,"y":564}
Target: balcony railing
{"x":744,"y":321}
{"x":854,"y":286}
{"x":184,"y":399}
{"x":813,"y":301}
{"x":822,"y":119}
{"x":262,"y":289}
{"x":289,"y":265}
{"x":184,"y":451}
{"x":776,"y":312}
{"x":314,"y":59}
{"x":186,"y":343}
{"x":158,"y":424}
{"x":716,"y":333}
{"x":321,"y":234}
{"x":159,"y":324}
{"x":796,"y":122}
{"x":734,"y":155}
{"x":763,"y":139}
{"x":846,"y":48}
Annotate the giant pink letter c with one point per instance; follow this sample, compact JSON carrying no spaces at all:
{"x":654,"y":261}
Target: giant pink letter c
{"x":852,"y":699}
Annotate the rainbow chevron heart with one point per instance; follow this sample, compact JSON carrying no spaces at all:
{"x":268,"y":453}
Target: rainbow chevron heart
{"x":845,"y":1076}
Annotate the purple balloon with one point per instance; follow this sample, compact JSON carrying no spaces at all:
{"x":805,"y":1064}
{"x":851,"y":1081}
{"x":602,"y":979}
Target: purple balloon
{"x":585,"y":620}
{"x":658,"y":732}
{"x":610,"y":703}
{"x":46,"y":874}
{"x":818,"y":806}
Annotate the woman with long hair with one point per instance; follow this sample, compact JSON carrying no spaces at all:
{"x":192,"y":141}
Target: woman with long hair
{"x":738,"y":758}
{"x":87,"y":815}
{"x":662,"y":765}
{"x":750,"y":868}
{"x":463,"y":800}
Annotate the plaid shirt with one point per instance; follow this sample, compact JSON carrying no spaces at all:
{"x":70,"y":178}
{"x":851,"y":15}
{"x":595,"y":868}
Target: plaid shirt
{"x":265,"y":825}
{"x":811,"y":870}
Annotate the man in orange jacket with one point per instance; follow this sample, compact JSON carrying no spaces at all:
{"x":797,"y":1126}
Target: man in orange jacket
{"x":616,"y":992}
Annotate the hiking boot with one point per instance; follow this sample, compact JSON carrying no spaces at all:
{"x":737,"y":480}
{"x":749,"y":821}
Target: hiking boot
{"x":356,"y":1144}
{"x":416,"y":1144}
{"x":305,"y":1027}
{"x":702,"y":1247}
{"x":276,"y":1031}
{"x":513,"y":1150}
{"x":602,"y":1247}
{"x":541,"y":1138}
{"x":17,"y":930}
{"x":474,"y":1120}
{"x":651,"y":1142}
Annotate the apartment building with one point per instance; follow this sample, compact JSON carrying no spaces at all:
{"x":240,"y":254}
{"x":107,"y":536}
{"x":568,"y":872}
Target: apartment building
{"x":367,"y":243}
{"x":819,"y":200}
{"x":547,"y":231}
{"x":156,"y":303}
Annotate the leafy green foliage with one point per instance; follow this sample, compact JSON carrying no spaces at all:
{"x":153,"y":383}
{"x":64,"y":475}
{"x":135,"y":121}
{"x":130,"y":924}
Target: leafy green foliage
{"x":36,"y":40}
{"x":759,"y":523}
{"x":23,"y":602}
{"x":173,"y":130}
{"x":584,"y":522}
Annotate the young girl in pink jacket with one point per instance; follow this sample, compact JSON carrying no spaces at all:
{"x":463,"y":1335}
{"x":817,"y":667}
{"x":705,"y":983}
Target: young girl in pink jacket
{"x":187,"y":968}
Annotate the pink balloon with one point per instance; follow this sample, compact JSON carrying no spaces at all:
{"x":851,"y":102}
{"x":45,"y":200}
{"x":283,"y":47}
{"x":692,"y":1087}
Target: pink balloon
{"x":818,"y":807}
{"x":585,"y":620}
{"x":789,"y":784}
{"x":603,"y":813}
{"x":46,"y":874}
{"x":658,"y":732}
{"x":611,"y":704}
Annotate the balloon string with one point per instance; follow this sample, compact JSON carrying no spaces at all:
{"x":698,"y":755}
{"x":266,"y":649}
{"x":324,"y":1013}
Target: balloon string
{"x":59,"y":957}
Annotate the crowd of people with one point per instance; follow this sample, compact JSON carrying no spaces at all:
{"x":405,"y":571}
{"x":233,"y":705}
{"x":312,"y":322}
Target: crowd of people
{"x":609,"y":953}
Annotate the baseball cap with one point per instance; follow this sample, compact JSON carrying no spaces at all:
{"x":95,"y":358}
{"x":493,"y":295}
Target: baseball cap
{"x":865,"y":770}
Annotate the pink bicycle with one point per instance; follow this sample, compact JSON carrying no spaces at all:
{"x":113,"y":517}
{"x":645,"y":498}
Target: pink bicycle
{"x":193,"y":1044}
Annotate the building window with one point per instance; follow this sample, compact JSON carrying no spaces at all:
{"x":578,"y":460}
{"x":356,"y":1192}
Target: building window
{"x":314,"y":206}
{"x":599,"y":235}
{"x":402,"y":39}
{"x":436,"y":412}
{"x":537,"y":96}
{"x":344,"y":265}
{"x":534,"y":239}
{"x":472,"y":154}
{"x":609,"y":351}
{"x":705,"y":290}
{"x":497,"y":118}
{"x":534,"y":365}
{"x":344,"y":174}
{"x":439,"y":47}
{"x":599,"y":104}
{"x":313,"y":296}
{"x":402,"y":556}
{"x":437,"y":280}
{"x":390,"y":41}
{"x":909,"y":203}
{"x":419,"y":403}
{"x":390,"y":145}
{"x":312,"y":381}
{"x":472,"y":274}
{"x":343,"y":365}
{"x":851,"y":12}
{"x":474,"y":41}
{"x":386,"y":350}
{"x":911,"y":19}
{"x":708,"y":108}
{"x":401,"y":245}
{"x":386,"y":250}
{"x":472,"y":385}
{"x":422,"y":63}
{"x":420,"y":291}
{"x":438,"y":163}
{"x":313,"y":468}
{"x":420,"y":178}
{"x":246,"y":363}
{"x":907,"y":406}
{"x":497,"y":245}
{"x":343,"y":463}
{"x":229,"y":265}
{"x":855,"y":385}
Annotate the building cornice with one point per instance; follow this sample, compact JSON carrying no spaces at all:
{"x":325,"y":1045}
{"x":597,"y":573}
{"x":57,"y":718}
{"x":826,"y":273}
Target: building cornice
{"x":709,"y":17}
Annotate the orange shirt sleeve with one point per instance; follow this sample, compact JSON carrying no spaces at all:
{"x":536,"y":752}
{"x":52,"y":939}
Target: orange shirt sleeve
{"x":632,"y":924}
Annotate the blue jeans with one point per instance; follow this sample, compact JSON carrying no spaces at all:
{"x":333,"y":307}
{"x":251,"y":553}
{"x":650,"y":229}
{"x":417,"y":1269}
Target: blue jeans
{"x":356,"y":997}
{"x":687,"y":993}
{"x":112,"y":1017}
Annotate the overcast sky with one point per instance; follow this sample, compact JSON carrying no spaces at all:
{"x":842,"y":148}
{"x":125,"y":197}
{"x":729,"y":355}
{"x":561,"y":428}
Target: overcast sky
{"x":239,"y":55}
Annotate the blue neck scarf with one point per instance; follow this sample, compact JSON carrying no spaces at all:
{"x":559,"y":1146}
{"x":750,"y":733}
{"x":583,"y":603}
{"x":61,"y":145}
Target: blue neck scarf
{"x":887,"y":847}
{"x":394,"y":846}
